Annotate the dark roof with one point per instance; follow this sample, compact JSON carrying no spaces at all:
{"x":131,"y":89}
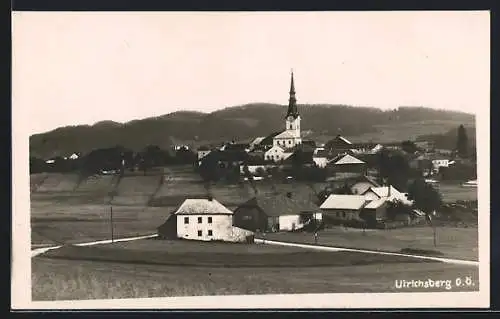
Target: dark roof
{"x":280,"y":205}
{"x":302,"y":156}
{"x":237,"y":147}
{"x":226,"y":156}
{"x":338,"y":142}
{"x":268,"y":140}
{"x":203,"y":148}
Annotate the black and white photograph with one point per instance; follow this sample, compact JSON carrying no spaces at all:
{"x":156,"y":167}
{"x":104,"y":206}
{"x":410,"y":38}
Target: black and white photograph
{"x":250,"y":159}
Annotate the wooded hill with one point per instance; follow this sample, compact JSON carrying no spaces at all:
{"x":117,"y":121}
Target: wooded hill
{"x":234,"y":123}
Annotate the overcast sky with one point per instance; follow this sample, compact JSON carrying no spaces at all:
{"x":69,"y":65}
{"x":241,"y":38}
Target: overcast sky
{"x":84,"y":67}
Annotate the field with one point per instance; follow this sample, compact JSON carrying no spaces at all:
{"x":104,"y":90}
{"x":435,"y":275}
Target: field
{"x":406,"y":131}
{"x":158,"y":268}
{"x":454,"y":192}
{"x":66,"y":210}
{"x":459,"y":243}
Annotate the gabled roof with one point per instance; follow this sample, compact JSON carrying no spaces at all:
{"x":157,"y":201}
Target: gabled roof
{"x":257,"y":140}
{"x":276,"y":147}
{"x":281,"y":205}
{"x":268,"y":140}
{"x":202,"y":207}
{"x":374,"y":204}
{"x":348,"y":159}
{"x":336,"y":201}
{"x":383,"y":191}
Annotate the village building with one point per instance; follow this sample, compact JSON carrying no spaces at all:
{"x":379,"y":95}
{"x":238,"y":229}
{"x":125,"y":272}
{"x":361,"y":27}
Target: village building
{"x":320,"y":157}
{"x":375,"y":211}
{"x":388,"y":192}
{"x":276,"y":154}
{"x":290,"y":137}
{"x":278,"y":212}
{"x":361,"y":184}
{"x":339,"y":143}
{"x":205,"y":220}
{"x":347,"y":165}
{"x":343,"y":207}
{"x":203,"y":151}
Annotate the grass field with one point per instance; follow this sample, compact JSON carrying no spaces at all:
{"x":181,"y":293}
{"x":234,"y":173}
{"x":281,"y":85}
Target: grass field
{"x":193,"y":254}
{"x":455,"y":192}
{"x":460,"y":243}
{"x":57,"y":279}
{"x":406,"y":131}
{"x":65,"y":212}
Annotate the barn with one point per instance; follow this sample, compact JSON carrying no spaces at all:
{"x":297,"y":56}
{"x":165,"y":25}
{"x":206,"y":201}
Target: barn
{"x":277,"y":212}
{"x":205,"y":220}
{"x":343,"y":207}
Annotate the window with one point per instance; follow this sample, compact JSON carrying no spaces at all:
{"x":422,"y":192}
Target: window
{"x":199,"y":220}
{"x":210,"y":232}
{"x":210,"y":221}
{"x":199,"y":233}
{"x":343,"y":214}
{"x":186,"y":220}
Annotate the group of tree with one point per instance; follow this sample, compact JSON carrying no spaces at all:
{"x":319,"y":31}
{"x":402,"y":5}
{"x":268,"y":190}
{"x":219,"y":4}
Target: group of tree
{"x":116,"y":158}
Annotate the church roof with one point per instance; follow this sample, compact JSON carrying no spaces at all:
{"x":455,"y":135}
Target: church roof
{"x":285,"y":134}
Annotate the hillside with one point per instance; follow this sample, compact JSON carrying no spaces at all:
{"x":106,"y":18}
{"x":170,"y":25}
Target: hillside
{"x":240,"y":123}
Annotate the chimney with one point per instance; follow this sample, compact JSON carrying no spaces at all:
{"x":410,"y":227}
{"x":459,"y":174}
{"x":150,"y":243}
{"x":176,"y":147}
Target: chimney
{"x":388,"y":190}
{"x":289,"y":194}
{"x":210,"y":198}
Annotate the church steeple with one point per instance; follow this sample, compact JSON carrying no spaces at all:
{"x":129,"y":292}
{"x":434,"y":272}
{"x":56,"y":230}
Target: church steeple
{"x":292,"y":101}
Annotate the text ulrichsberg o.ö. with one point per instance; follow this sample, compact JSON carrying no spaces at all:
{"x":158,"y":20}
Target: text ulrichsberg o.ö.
{"x":431,"y":283}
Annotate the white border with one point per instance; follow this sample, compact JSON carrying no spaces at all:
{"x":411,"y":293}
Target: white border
{"x":21,"y":250}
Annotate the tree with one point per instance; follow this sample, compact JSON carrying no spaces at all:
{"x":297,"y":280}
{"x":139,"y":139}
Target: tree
{"x":343,"y":190}
{"x":394,"y":168}
{"x":462,"y":142}
{"x":409,"y":147}
{"x":425,"y":197}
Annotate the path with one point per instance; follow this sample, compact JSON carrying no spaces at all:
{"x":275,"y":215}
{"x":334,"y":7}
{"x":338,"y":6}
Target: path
{"x":328,"y":248}
{"x":38,"y":251}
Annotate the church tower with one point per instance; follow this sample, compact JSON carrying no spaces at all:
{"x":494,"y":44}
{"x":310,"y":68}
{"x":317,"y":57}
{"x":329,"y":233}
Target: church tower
{"x":292,"y":119}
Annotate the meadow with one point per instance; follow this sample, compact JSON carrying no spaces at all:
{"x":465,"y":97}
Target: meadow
{"x":66,"y":210}
{"x":452,"y":242}
{"x":58,"y":279}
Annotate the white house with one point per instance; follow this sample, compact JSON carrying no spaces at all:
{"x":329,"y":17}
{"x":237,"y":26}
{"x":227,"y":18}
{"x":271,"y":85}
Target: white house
{"x":441,"y":162}
{"x":205,"y":220}
{"x":276,"y":154}
{"x":388,"y":192}
{"x":73,"y":156}
{"x":320,"y":157}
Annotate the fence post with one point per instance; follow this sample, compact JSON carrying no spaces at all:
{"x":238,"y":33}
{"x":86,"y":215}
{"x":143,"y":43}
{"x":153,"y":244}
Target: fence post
{"x":111,"y":217}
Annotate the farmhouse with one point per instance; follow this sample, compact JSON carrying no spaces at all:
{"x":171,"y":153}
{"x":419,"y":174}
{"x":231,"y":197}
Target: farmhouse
{"x":375,"y":211}
{"x":203,"y":219}
{"x":388,"y":192}
{"x":276,"y":154}
{"x":339,"y":143}
{"x":343,"y":207}
{"x":361,"y":184}
{"x":275,"y":213}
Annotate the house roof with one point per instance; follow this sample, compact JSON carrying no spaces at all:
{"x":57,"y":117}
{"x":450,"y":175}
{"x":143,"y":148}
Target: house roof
{"x":374,"y":204}
{"x":257,"y":140}
{"x":383,"y":191}
{"x":202,"y":206}
{"x":348,"y":159}
{"x":336,"y":201}
{"x":281,"y":205}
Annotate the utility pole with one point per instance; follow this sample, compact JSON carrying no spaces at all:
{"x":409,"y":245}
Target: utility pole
{"x":111,"y":217}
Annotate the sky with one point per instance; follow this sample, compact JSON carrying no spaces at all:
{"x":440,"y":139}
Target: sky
{"x":73,"y":68}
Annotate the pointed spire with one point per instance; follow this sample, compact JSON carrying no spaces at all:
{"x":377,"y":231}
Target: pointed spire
{"x":292,"y":85}
{"x":292,"y":102}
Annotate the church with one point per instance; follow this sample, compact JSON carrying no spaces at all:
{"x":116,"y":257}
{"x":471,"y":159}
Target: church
{"x":290,"y":137}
